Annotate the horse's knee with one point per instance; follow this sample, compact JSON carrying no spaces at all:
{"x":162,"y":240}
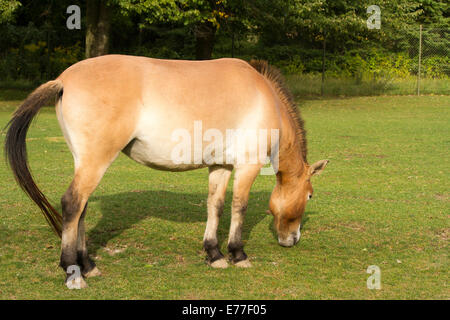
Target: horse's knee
{"x":219,"y":205}
{"x":239,"y":207}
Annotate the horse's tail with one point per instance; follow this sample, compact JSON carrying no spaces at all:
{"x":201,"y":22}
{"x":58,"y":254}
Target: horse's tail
{"x":16,"y":152}
{"x":274,"y":75}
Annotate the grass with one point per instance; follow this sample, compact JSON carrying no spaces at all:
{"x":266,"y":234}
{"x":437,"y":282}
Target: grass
{"x":310,"y":85}
{"x":383,"y":200}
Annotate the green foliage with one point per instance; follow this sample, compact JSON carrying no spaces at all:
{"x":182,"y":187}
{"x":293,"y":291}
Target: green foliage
{"x":287,"y":33}
{"x":373,"y":64}
{"x":63,"y":57}
{"x":436,"y":67}
{"x":342,"y":23}
{"x":186,"y":12}
{"x":34,"y":62}
{"x":7,"y":8}
{"x":295,"y":66}
{"x":434,"y":11}
{"x":161,"y":52}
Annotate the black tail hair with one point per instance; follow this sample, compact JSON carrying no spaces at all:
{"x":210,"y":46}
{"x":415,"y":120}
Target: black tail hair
{"x":16,"y":152}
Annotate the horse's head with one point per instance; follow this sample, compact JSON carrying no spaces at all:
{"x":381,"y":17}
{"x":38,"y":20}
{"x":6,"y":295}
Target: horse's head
{"x":288,"y":202}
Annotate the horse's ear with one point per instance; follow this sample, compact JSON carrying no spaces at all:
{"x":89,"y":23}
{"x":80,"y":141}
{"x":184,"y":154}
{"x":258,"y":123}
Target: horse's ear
{"x":317,"y":168}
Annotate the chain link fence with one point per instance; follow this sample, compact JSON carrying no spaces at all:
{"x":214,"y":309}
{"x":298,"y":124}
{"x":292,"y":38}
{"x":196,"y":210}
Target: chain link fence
{"x":421,"y":64}
{"x":412,"y":61}
{"x":433,"y":58}
{"x":416,"y":61}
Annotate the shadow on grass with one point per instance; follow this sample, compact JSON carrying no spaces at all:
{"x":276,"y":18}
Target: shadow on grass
{"x":121,"y":211}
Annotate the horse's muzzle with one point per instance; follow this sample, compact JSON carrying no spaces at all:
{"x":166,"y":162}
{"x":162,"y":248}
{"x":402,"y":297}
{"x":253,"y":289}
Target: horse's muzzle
{"x":290,"y":240}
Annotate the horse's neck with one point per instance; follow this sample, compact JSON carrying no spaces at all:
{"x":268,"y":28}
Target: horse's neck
{"x":290,"y":168}
{"x":291,"y":163}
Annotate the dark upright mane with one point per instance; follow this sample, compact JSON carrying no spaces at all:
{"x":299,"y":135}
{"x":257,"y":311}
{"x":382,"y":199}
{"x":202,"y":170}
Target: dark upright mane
{"x":275,"y":76}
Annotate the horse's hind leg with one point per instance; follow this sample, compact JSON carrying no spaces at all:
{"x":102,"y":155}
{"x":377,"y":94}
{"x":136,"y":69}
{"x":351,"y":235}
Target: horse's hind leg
{"x":96,"y":129}
{"x":218,"y":181}
{"x":88,"y":268}
{"x":73,"y":246}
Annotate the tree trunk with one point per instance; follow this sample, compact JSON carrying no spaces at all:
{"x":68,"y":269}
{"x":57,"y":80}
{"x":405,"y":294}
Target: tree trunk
{"x":98,"y":28}
{"x":204,"y":40}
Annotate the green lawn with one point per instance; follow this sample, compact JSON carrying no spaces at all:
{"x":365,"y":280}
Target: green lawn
{"x":310,"y":85}
{"x":383,"y":200}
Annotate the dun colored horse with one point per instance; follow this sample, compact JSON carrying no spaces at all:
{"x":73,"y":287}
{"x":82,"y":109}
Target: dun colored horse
{"x":116,"y":103}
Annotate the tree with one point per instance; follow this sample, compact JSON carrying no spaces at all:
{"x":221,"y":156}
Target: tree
{"x":98,"y":27}
{"x":341,"y":22}
{"x":434,"y":12}
{"x":7,"y":8}
{"x":203,"y":17}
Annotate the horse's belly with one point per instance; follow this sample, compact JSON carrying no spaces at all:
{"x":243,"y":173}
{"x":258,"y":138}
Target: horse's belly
{"x":157,"y":154}
{"x":182,"y":137}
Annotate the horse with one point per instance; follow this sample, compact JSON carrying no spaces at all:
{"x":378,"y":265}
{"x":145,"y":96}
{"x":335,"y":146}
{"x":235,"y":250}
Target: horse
{"x":118,"y":103}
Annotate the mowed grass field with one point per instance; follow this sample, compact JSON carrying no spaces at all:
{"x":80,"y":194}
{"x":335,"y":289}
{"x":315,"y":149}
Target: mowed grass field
{"x":383,"y":200}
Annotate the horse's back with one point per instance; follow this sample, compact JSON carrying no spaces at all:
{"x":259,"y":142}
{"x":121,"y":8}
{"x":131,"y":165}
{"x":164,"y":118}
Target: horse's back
{"x":116,"y":76}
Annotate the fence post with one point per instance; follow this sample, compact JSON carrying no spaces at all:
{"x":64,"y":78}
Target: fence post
{"x":323,"y":67}
{"x":420,"y":60}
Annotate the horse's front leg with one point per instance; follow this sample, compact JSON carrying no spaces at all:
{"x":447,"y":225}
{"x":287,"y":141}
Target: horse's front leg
{"x":218,"y":181}
{"x":243,"y":180}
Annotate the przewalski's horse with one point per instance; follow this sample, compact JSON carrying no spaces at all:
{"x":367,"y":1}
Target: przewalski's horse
{"x":117,"y":103}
